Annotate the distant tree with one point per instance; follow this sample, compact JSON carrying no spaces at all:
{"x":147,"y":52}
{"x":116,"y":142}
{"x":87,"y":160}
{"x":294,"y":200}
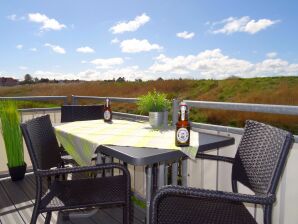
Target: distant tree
{"x":138,"y":80}
{"x":36,"y":80}
{"x":44,"y":80}
{"x":120,"y":79}
{"x":159,"y":79}
{"x":28,"y":79}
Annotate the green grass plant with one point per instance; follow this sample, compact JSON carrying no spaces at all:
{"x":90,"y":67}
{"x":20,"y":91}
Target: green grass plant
{"x":153,"y":102}
{"x":11,"y":132}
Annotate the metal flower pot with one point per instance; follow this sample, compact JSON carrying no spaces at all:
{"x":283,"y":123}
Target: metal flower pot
{"x":158,"y":119}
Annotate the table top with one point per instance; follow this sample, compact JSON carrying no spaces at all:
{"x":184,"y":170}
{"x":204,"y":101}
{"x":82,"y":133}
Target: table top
{"x":140,"y":144}
{"x":140,"y":156}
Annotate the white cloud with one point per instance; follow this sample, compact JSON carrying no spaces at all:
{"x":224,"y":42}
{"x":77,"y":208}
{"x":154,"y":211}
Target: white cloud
{"x":84,"y":61}
{"x":85,"y":50}
{"x":213,"y":64}
{"x":115,"y":41}
{"x":129,"y":73}
{"x":105,"y":63}
{"x":14,"y":17}
{"x":271,"y":54}
{"x":185,"y":35}
{"x":56,"y":48}
{"x":33,"y":49}
{"x":46,"y":22}
{"x":19,"y":46}
{"x":135,"y":46}
{"x":130,"y":26}
{"x":23,"y":67}
{"x":243,"y":24}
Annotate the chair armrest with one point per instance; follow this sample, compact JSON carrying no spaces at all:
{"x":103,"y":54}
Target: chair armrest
{"x":213,"y":157}
{"x":81,"y":169}
{"x":203,"y":193}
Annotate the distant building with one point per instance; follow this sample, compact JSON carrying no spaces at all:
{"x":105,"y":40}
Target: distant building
{"x":7,"y":81}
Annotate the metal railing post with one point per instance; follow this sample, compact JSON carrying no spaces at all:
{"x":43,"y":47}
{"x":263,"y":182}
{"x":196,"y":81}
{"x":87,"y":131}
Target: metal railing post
{"x":175,"y":105}
{"x":73,"y":100}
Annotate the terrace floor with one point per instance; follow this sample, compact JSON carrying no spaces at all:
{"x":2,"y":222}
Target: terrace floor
{"x":16,"y":206}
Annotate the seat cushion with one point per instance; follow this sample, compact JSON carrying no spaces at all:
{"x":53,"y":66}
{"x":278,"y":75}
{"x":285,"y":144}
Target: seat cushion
{"x":182,"y":210}
{"x":85,"y":193}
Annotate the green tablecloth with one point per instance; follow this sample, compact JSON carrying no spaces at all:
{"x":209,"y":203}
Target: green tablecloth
{"x":81,"y":138}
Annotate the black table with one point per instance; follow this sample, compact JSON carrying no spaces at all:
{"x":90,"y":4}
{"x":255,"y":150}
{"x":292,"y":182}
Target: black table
{"x":149,"y":156}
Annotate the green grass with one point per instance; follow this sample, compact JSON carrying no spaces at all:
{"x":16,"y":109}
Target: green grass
{"x":10,"y":127}
{"x":138,"y":202}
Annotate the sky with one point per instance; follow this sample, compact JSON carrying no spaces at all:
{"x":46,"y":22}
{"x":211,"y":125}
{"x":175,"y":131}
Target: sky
{"x":142,"y":39}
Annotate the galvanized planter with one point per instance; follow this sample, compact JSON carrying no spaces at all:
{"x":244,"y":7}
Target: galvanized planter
{"x":158,"y":119}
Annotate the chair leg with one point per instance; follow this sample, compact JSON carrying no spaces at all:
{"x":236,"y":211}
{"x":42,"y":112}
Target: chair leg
{"x":267,"y":214}
{"x":48,"y":218}
{"x":34,"y":215}
{"x":127,"y":219}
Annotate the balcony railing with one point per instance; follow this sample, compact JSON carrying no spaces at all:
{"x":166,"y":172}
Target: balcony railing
{"x":200,"y":173}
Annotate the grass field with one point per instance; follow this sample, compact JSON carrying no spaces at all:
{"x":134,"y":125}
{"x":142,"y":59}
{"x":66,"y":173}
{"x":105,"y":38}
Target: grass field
{"x":271,"y":90}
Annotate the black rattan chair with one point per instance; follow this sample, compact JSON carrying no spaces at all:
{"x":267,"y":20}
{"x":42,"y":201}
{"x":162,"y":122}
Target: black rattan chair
{"x":70,"y":113}
{"x":60,"y":194}
{"x":258,"y":164}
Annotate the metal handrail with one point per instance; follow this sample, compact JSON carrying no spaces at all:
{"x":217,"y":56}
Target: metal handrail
{"x":100,"y":98}
{"x":36,"y":98}
{"x":244,"y":107}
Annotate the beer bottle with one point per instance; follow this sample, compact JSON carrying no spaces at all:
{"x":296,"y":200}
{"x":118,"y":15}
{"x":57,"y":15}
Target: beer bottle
{"x":107,"y":112}
{"x":182,"y":127}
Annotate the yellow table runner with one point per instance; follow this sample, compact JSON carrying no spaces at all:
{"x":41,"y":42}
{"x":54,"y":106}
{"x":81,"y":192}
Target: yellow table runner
{"x":81,"y":138}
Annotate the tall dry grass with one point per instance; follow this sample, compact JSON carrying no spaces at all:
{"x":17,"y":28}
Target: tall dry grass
{"x":272,"y":90}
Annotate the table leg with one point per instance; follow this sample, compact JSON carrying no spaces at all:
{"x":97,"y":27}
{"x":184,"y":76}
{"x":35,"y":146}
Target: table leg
{"x":174,"y":173}
{"x":99,"y":160}
{"x":184,"y":172}
{"x":108,"y":172}
{"x":161,"y":174}
{"x":148,"y":191}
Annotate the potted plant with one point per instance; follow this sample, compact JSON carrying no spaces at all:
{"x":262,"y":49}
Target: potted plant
{"x":12,"y":136}
{"x":157,"y":105}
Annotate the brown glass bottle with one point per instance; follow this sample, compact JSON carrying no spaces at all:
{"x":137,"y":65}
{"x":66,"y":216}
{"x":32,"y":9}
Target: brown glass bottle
{"x":182,"y":134}
{"x":107,"y":112}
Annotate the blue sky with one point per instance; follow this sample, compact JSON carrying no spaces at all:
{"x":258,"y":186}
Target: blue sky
{"x":148,"y":39}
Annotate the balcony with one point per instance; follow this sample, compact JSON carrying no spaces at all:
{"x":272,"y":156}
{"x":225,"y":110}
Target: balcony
{"x":16,"y":199}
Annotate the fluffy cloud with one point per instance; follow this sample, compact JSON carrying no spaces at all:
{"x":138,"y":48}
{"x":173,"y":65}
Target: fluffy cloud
{"x":56,"y":48}
{"x":85,"y":50}
{"x":115,"y":41}
{"x":130,"y":26}
{"x":243,"y":24}
{"x":135,"y":46}
{"x":105,"y":63}
{"x":46,"y":22}
{"x":213,"y":64}
{"x":129,"y":73}
{"x":185,"y":35}
{"x":271,"y":55}
{"x":33,"y":49}
{"x":19,"y":46}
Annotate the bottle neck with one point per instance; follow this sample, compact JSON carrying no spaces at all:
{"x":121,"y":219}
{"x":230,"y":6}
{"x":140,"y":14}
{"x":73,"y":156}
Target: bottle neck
{"x":107,"y":102}
{"x":183,"y":112}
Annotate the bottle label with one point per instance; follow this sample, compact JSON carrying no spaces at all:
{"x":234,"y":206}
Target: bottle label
{"x":107,"y":115}
{"x":182,"y":135}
